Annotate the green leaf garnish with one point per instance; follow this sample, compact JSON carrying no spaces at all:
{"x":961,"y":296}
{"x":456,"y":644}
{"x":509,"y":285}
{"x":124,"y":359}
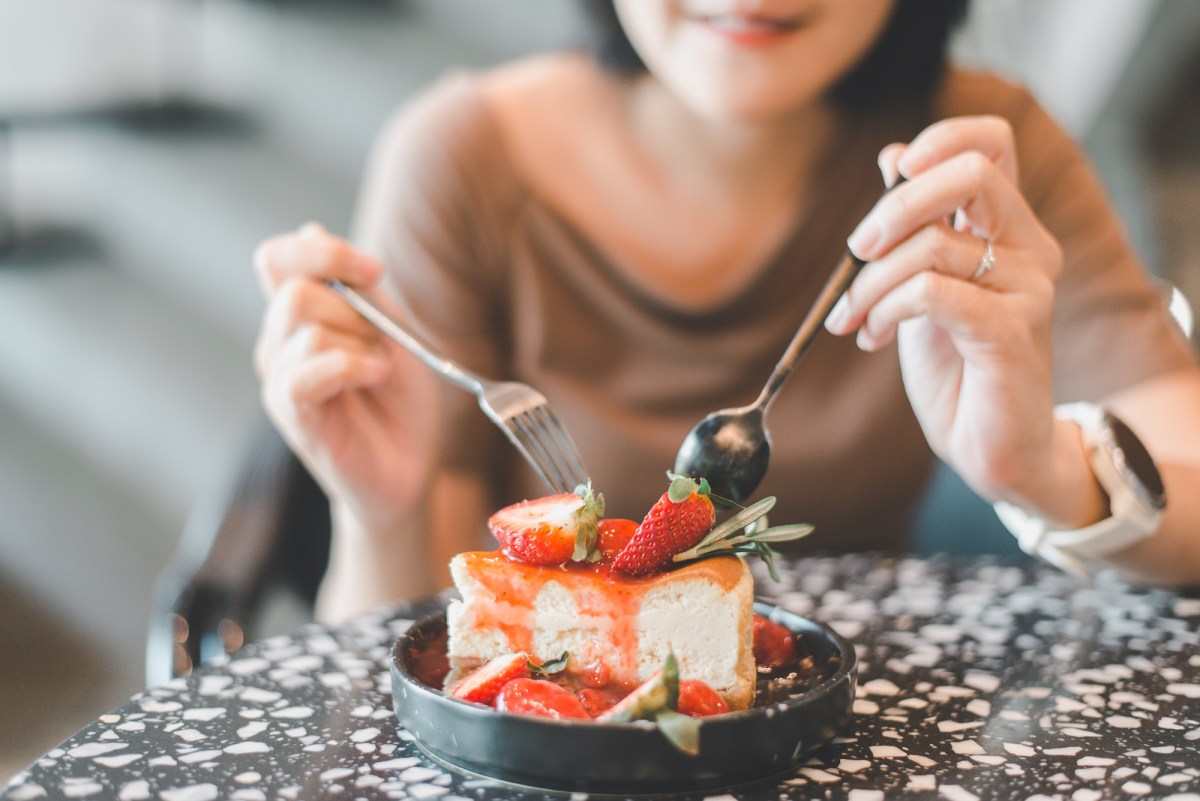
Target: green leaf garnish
{"x":550,"y":666}
{"x":682,"y":731}
{"x":742,"y":534}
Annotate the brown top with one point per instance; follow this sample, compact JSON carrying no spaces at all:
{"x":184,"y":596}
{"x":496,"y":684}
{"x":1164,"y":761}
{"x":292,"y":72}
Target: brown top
{"x":494,"y":278}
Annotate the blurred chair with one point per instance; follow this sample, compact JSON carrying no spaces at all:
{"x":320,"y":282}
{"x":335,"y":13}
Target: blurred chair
{"x":263,"y":539}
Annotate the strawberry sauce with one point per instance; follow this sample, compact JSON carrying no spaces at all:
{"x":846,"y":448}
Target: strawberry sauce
{"x":428,"y":662}
{"x":597,"y":593}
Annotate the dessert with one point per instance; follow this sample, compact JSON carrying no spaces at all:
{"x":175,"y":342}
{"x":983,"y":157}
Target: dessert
{"x":613,"y":611}
{"x":624,"y":627}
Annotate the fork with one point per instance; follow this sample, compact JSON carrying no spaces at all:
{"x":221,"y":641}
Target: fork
{"x":521,"y":412}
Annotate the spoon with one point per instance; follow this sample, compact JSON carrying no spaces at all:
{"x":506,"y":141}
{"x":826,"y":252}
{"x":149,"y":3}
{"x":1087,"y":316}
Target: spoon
{"x":732,"y":447}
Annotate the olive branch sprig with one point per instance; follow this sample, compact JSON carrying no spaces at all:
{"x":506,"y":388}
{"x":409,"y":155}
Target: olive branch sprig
{"x":754,"y":539}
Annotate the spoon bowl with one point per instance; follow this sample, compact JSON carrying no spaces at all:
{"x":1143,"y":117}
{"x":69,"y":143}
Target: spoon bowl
{"x":731,"y":448}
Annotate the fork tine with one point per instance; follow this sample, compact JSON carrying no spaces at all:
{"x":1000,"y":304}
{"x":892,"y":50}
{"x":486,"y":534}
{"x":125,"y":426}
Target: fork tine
{"x":523,"y":441}
{"x":543,"y":444}
{"x":566,"y":454}
{"x":543,"y":458}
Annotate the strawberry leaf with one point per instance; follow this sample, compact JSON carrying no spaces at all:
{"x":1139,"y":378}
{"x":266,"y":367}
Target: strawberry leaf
{"x":586,"y":533}
{"x":550,"y":666}
{"x":684,"y":487}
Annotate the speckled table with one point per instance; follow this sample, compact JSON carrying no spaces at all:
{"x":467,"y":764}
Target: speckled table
{"x":980,"y":679}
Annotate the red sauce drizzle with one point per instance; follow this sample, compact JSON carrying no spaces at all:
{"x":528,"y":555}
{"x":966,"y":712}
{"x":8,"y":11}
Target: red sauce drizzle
{"x":511,"y":588}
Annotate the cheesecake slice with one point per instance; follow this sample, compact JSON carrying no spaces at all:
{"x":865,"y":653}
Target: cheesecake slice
{"x":702,"y":612}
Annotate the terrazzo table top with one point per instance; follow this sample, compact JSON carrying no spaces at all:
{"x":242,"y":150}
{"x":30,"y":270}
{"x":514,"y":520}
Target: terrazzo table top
{"x":979,"y":678}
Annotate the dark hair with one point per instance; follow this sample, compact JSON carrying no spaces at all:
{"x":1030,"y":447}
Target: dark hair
{"x":905,"y":63}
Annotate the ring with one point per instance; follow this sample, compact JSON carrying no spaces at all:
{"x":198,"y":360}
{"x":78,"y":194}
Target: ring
{"x":986,"y":262}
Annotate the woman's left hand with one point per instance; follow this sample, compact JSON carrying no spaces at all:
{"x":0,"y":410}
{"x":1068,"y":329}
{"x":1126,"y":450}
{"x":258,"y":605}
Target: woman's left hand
{"x":975,"y":346}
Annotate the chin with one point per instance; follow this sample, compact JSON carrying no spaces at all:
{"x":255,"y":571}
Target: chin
{"x":742,"y":107}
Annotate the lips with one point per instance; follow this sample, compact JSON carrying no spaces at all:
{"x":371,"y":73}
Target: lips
{"x":749,"y":27}
{"x":743,"y":24}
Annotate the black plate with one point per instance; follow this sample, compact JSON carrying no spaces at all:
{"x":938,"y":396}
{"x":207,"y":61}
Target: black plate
{"x":735,"y":748}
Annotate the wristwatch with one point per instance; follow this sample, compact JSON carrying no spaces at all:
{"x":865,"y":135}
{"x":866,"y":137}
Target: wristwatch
{"x":1126,"y":473}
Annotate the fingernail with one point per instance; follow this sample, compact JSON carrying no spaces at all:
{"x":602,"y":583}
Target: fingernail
{"x":835,"y":323}
{"x":309,"y":230}
{"x":864,"y":341}
{"x":862,"y":242}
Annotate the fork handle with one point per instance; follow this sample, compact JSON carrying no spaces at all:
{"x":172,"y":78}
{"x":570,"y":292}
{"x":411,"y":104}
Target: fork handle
{"x":439,"y":364}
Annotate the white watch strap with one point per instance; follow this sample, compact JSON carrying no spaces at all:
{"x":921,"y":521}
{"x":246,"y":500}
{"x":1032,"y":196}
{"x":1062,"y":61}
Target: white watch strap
{"x":1069,"y":550}
{"x":1129,"y":522}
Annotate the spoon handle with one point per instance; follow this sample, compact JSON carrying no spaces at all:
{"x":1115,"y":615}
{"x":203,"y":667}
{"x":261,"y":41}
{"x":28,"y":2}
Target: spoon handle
{"x":839,"y":281}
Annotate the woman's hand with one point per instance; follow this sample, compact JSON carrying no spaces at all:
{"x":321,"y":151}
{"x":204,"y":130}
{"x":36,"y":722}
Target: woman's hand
{"x":357,"y":409}
{"x":975,"y":347}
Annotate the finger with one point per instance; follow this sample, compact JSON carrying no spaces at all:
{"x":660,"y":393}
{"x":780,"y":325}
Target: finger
{"x":988,"y":134}
{"x":964,"y":310}
{"x":318,"y":364}
{"x":968,"y":182}
{"x":936,"y":247}
{"x":329,"y":374}
{"x":312,"y":251}
{"x":304,"y":302}
{"x":888,"y":161}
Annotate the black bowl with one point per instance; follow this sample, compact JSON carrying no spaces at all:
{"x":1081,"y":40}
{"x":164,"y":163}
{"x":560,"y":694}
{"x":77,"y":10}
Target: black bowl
{"x":735,"y":748}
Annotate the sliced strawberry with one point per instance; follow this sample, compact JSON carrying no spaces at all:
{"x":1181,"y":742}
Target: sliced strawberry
{"x":774,"y":645}
{"x":699,"y":700}
{"x":482,"y":685}
{"x":596,"y":673}
{"x":538,"y":697}
{"x":615,"y":534}
{"x":594,"y":701}
{"x":552,"y":530}
{"x":676,"y":522}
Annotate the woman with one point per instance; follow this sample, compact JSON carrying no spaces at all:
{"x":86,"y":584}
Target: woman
{"x":639,"y":235}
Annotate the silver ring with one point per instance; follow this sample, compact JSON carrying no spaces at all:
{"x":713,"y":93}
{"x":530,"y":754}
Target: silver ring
{"x":986,"y":262}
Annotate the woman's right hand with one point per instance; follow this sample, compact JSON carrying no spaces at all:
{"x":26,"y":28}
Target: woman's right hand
{"x":357,"y":409}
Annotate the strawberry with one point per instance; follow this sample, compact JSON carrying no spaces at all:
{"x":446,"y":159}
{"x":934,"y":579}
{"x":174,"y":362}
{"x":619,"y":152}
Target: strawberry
{"x":596,"y":674}
{"x":482,"y":685}
{"x":676,"y":522}
{"x":594,"y":701}
{"x":552,"y":530}
{"x":774,"y":645}
{"x":699,"y":700}
{"x":538,"y":697}
{"x":615,"y":534}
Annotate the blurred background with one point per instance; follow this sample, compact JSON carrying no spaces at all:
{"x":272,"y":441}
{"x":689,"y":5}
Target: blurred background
{"x":146,"y":146}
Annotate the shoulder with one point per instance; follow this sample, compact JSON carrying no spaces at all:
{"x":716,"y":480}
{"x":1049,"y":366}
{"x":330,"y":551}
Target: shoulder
{"x":442,"y":130}
{"x":548,"y":111}
{"x":1045,"y":151}
{"x":534,"y":91}
{"x":967,"y":91}
{"x":502,"y":128}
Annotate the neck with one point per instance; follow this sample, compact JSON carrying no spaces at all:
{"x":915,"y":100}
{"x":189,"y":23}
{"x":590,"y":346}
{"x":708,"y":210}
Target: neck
{"x":727,"y":158}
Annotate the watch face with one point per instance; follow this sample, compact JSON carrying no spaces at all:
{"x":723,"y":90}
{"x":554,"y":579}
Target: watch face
{"x":1138,"y":464}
